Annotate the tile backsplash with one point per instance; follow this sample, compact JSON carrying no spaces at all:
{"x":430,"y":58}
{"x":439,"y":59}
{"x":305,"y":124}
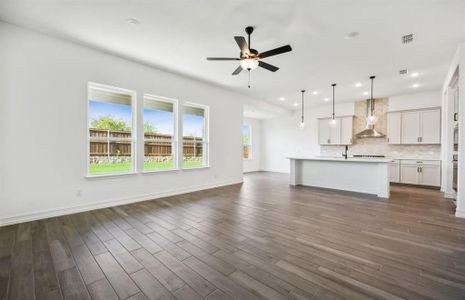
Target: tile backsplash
{"x":380,"y":145}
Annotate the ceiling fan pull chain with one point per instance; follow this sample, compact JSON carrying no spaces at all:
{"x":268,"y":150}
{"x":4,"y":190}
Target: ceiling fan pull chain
{"x":249,"y":79}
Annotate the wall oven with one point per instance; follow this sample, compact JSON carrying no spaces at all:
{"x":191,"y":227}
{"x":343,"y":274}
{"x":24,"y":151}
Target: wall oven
{"x":455,"y":158}
{"x":456,"y":138}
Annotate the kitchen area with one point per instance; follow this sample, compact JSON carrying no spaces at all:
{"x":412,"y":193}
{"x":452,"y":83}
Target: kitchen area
{"x":383,"y":142}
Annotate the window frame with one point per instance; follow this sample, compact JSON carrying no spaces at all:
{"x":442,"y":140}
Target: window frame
{"x":133,"y":139}
{"x":175,"y":139}
{"x":249,"y":144}
{"x":206,"y":138}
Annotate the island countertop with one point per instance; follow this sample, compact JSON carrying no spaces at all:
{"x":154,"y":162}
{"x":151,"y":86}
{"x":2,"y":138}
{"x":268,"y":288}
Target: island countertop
{"x":342,"y":159}
{"x":355,"y":174}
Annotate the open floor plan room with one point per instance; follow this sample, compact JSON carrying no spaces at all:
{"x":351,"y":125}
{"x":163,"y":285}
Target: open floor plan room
{"x":261,"y":239}
{"x":240,"y":149}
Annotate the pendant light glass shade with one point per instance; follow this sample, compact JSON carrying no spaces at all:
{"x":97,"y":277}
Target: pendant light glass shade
{"x":249,"y":64}
{"x":333,"y":121}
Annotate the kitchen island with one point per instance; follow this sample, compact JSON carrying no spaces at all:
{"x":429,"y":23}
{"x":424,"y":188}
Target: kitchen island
{"x":362,"y":175}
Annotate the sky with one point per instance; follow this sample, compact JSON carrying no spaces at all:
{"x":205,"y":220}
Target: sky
{"x":161,"y":120}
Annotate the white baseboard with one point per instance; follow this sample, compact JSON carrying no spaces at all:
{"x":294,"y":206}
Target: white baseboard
{"x":460,"y":213}
{"x":48,"y":213}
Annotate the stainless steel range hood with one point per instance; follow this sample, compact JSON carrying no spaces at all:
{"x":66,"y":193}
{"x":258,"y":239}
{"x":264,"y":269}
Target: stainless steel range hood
{"x":370,"y":131}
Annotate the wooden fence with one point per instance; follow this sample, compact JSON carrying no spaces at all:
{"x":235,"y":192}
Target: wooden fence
{"x":117,"y":143}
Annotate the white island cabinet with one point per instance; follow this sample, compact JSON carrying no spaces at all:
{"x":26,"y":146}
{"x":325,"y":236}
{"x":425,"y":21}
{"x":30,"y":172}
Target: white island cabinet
{"x":362,"y":175}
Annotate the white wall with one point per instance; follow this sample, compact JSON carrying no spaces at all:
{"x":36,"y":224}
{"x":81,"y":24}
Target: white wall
{"x":415,"y":100}
{"x":282,"y":137}
{"x":253,"y":163}
{"x":43,"y":91}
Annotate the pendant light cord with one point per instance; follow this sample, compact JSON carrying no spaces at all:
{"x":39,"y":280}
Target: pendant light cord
{"x":302,"y":107}
{"x":372,"y":104}
{"x":333,"y":85}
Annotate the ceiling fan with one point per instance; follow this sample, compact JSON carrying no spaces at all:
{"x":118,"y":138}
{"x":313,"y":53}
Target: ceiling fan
{"x":249,"y":58}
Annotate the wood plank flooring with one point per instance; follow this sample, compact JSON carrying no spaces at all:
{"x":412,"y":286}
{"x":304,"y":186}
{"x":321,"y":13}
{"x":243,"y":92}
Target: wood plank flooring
{"x":259,"y":240}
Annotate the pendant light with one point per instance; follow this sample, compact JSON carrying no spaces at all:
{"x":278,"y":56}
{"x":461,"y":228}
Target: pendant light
{"x":302,"y":111}
{"x":371,"y":119}
{"x":333,"y":122}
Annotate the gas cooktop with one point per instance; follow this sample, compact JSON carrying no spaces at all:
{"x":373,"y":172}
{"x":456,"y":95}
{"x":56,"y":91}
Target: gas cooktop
{"x":369,"y":155}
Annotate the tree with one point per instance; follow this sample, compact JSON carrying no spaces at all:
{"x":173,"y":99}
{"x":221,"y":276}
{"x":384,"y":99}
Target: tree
{"x":149,"y":128}
{"x":110,"y":123}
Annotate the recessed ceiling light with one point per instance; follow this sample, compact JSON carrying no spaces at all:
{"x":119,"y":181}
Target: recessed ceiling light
{"x":352,"y":35}
{"x":133,"y":22}
{"x":326,"y":99}
{"x":415,"y":85}
{"x":365,"y":93}
{"x":414,"y":74}
{"x":358,"y":84}
{"x":315,"y":92}
{"x":296,"y":104}
{"x":282,"y":99}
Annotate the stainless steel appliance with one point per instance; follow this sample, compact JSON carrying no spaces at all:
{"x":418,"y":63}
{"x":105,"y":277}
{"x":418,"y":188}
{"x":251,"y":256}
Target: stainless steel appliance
{"x":369,"y":155}
{"x":455,"y":163}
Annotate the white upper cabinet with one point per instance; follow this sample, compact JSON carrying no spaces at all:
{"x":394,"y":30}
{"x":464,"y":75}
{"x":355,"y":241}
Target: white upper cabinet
{"x":323,"y":132}
{"x":430,"y":130}
{"x":346,"y":130}
{"x":414,"y":127}
{"x":339,"y":134}
{"x":394,"y":127}
{"x":335,"y":133}
{"x":410,"y":127}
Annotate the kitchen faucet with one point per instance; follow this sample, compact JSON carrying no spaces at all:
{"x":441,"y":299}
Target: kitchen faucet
{"x":344,"y":154}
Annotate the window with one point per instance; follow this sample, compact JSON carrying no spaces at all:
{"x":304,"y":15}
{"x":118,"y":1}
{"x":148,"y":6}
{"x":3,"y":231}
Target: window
{"x":159,"y":133}
{"x":110,"y":123}
{"x":195,"y":136}
{"x":246,"y":141}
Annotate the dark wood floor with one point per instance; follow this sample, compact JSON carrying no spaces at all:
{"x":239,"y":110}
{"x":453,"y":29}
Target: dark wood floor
{"x":262,"y":239}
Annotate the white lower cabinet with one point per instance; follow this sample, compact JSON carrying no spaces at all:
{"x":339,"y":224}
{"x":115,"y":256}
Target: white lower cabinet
{"x":409,"y":174}
{"x":430,"y":175}
{"x":394,"y":171}
{"x":423,"y":172}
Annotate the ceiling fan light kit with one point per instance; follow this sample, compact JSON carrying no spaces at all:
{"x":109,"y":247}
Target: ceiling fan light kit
{"x":249,"y":58}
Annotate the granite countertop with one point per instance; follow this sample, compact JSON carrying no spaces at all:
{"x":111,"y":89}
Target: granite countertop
{"x":342,"y":159}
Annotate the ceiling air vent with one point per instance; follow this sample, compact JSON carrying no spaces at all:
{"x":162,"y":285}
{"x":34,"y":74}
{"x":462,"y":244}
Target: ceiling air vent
{"x":403,"y":72}
{"x":407,"y":38}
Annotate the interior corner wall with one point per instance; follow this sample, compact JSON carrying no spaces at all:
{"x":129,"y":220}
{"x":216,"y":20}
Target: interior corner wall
{"x":253,"y":163}
{"x":282,"y":137}
{"x":43,"y":100}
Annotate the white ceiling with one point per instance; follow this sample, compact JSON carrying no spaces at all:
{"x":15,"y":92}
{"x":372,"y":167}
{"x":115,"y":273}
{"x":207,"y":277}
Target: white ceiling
{"x":178,"y":35}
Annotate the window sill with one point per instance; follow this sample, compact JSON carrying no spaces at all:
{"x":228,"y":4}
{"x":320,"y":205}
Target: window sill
{"x":196,"y":168}
{"x":160,"y":171}
{"x":103,"y":176}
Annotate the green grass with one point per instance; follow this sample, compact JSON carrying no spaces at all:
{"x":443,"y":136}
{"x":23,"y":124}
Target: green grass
{"x":95,"y":169}
{"x":192,"y":164}
{"x":153,"y":166}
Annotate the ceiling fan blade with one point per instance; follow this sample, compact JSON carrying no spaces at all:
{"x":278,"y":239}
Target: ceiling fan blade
{"x":222,"y":58}
{"x":237,"y":71}
{"x":242,"y":43}
{"x":268,"y":66}
{"x":275,"y":51}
